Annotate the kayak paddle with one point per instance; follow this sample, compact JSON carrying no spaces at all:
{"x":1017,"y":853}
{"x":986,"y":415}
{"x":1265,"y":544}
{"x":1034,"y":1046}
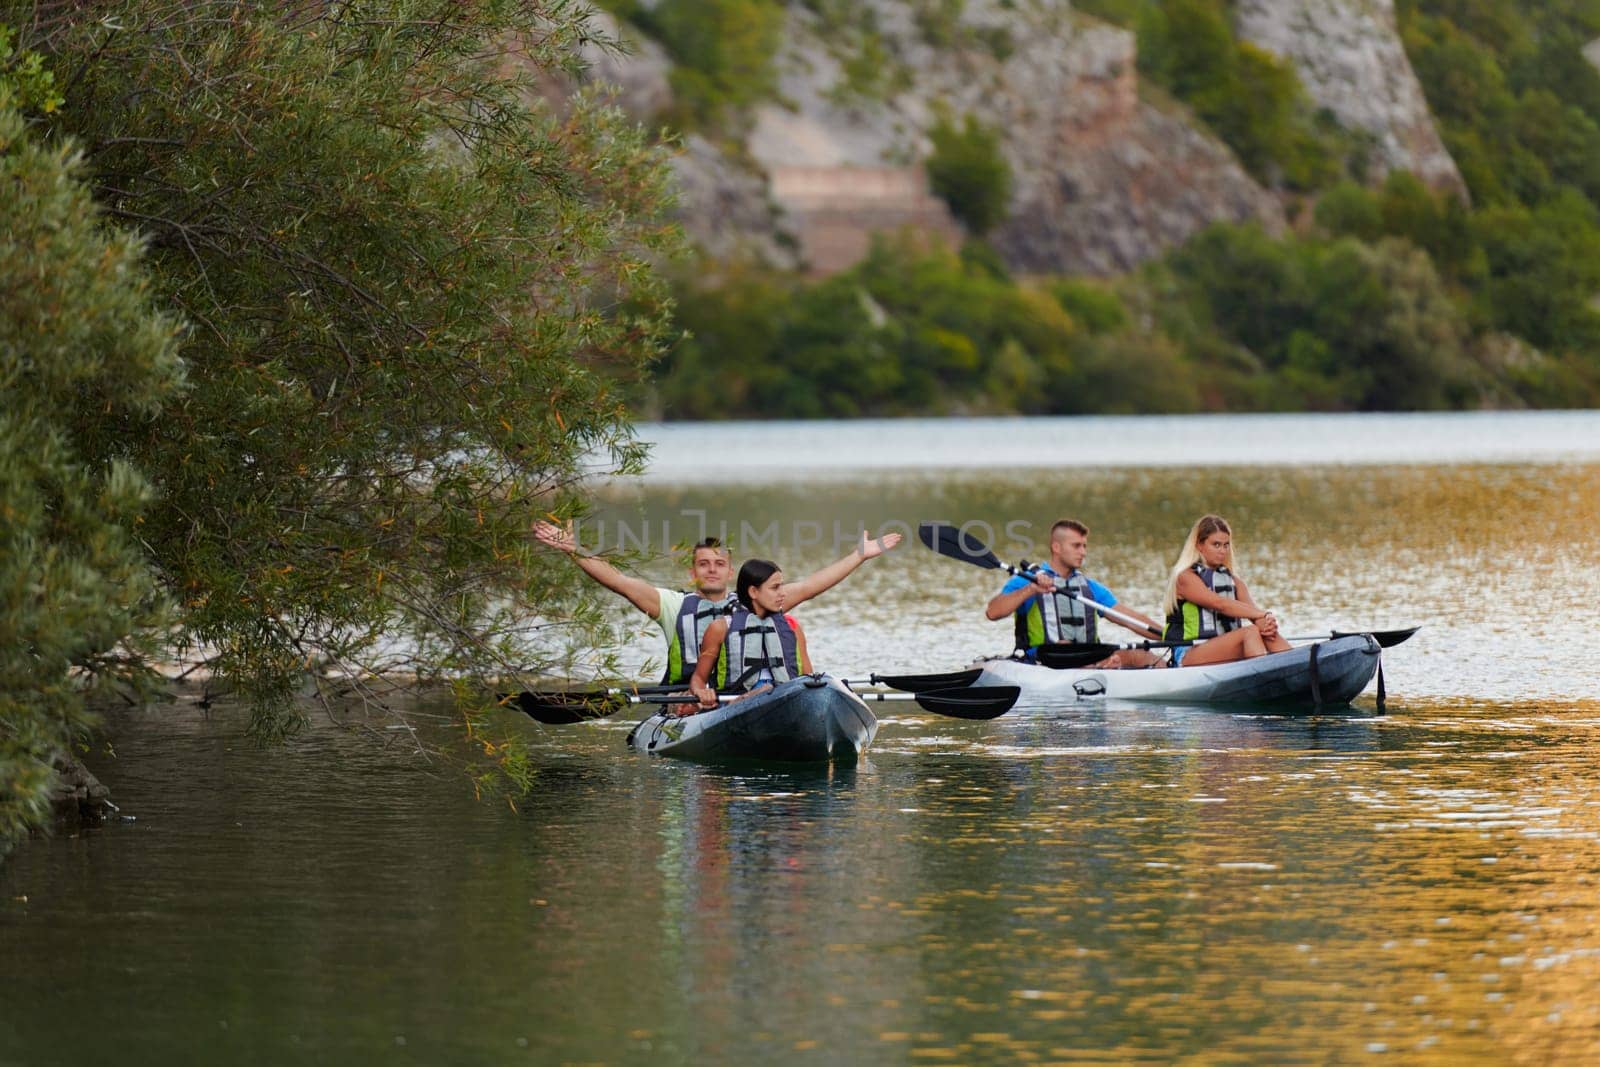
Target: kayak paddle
{"x":1385,"y":638}
{"x":922,"y":683}
{"x":566,"y":708}
{"x":952,"y":542}
{"x":580,"y":705}
{"x":1071,"y":657}
{"x":966,"y":702}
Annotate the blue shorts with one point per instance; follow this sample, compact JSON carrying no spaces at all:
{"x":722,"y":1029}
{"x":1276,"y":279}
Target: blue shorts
{"x":1178,"y":653}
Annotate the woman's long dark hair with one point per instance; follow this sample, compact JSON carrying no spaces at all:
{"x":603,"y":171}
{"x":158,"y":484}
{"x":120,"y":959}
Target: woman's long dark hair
{"x":754,"y":572}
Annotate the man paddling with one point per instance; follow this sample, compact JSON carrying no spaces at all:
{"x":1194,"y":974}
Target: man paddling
{"x":683,"y":617}
{"x":1049,"y":606}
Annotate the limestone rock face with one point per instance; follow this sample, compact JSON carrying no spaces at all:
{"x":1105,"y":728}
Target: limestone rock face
{"x":1350,"y":60}
{"x":1101,"y":180}
{"x":725,"y":207}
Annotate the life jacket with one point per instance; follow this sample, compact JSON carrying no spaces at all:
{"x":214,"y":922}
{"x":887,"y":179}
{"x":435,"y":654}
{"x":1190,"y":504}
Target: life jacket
{"x":688,"y":629}
{"x":1055,"y":617}
{"x":760,"y":650}
{"x":1191,"y":622}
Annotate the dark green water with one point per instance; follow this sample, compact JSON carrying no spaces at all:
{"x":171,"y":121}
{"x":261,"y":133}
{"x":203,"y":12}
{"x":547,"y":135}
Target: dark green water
{"x":1124,"y":884}
{"x":1110,"y":884}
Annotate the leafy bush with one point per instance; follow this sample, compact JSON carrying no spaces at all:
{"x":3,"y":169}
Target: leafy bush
{"x":85,"y":359}
{"x":723,"y":50}
{"x":967,"y":171}
{"x":909,"y":330}
{"x":1250,"y":98}
{"x":1095,"y":305}
{"x":1347,"y":324}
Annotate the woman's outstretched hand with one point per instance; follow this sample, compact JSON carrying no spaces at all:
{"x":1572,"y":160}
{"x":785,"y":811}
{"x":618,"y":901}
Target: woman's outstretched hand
{"x":877,"y":546}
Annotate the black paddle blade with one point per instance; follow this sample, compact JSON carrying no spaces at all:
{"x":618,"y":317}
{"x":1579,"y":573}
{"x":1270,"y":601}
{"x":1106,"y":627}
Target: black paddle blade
{"x":563,"y":709}
{"x":975,"y":702}
{"x":1385,"y":638}
{"x":950,"y":541}
{"x":1066,"y":657}
{"x":922,"y":683}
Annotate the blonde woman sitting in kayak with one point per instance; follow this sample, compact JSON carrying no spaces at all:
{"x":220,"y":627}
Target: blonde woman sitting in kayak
{"x":1208,"y":603}
{"x":762,"y":643}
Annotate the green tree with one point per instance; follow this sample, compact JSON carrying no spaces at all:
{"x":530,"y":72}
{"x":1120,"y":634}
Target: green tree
{"x":968,"y":172}
{"x":1349,"y":210}
{"x":1250,"y":98}
{"x":1093,"y":304}
{"x":407,"y":280}
{"x":85,"y":361}
{"x":724,"y":51}
{"x":1393,"y":337}
{"x":24,"y":79}
{"x":1543,"y":271}
{"x":1339,"y":324}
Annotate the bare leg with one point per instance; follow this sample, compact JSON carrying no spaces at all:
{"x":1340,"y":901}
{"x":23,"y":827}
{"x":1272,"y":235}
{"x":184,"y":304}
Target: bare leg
{"x":1243,"y":643}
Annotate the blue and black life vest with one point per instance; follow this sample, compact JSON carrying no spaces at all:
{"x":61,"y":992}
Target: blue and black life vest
{"x":688,"y":630}
{"x":760,"y":650}
{"x":1056,"y":617}
{"x":1191,"y":622}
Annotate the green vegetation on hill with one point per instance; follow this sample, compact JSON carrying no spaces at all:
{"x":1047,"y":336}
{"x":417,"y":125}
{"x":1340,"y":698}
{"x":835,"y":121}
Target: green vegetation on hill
{"x":722,"y":52}
{"x":1248,"y":97}
{"x":1390,"y":296}
{"x":1236,"y":320}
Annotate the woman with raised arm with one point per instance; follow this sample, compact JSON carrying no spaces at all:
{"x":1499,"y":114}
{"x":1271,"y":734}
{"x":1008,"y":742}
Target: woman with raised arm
{"x":761,"y":644}
{"x":1207,"y":603}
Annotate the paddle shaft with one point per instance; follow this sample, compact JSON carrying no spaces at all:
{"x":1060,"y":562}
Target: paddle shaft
{"x":1385,"y":638}
{"x":953,"y":543}
{"x":919,"y":683}
{"x":1077,"y":657}
{"x":1108,"y":612}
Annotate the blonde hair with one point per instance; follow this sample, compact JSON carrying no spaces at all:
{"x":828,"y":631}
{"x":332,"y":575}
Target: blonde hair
{"x":1202,"y":529}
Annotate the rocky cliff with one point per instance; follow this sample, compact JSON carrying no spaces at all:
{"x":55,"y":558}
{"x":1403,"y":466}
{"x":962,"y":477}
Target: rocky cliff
{"x":1350,"y":60}
{"x":1105,"y":176}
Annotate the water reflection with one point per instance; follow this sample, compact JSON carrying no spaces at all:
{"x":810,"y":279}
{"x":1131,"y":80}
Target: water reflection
{"x":1129,"y":883}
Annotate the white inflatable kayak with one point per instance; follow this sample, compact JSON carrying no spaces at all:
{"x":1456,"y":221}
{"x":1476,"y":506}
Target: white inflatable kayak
{"x":1324,"y":673}
{"x":811,"y":719}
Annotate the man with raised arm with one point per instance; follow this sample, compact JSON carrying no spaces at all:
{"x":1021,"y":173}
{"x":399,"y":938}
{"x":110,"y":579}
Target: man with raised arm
{"x":1049,"y":607}
{"x":683,"y":617}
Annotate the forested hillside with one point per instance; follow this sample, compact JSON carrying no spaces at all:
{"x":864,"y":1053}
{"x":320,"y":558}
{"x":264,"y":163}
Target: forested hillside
{"x":1367,"y":283}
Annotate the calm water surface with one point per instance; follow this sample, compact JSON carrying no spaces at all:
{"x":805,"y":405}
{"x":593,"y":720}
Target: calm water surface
{"x":1118,"y":884}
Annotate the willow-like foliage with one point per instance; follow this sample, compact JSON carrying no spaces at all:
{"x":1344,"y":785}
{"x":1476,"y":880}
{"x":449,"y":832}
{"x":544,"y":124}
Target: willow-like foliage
{"x":412,"y":288}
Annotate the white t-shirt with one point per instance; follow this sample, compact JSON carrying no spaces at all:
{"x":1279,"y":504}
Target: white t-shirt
{"x":671,"y":604}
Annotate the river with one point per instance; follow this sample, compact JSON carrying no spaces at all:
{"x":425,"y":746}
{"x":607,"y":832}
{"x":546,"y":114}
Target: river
{"x":1121,"y":884}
